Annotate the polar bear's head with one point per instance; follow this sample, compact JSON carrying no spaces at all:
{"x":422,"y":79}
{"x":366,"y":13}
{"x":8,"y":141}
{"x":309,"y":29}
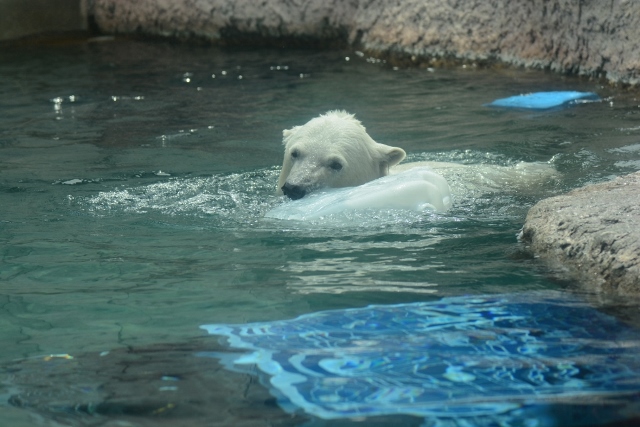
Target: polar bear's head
{"x":332,"y":150}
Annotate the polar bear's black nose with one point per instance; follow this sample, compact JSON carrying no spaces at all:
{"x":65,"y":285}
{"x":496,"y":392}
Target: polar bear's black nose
{"x":294,"y":192}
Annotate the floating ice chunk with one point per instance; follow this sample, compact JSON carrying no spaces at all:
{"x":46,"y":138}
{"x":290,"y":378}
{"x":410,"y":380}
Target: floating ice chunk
{"x":417,"y":189}
{"x":543,"y":100}
{"x":72,"y":182}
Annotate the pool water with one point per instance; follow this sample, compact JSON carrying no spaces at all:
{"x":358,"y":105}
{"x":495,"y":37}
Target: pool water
{"x":134,"y":179}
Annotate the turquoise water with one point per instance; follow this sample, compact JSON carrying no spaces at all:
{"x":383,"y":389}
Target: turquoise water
{"x":134,"y":178}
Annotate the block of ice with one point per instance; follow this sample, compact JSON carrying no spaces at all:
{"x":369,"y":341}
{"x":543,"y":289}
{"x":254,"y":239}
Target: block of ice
{"x":416,"y":189}
{"x":543,"y":100}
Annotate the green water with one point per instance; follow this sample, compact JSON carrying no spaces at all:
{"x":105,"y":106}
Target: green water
{"x":134,"y":178}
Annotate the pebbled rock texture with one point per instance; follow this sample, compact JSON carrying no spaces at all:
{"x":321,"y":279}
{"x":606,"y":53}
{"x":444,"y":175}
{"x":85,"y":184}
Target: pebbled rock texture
{"x":598,"y":38}
{"x":593,"y":232}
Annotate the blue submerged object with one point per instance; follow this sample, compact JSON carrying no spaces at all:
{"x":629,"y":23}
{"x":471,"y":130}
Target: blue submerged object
{"x":544,"y":100}
{"x":479,"y":360}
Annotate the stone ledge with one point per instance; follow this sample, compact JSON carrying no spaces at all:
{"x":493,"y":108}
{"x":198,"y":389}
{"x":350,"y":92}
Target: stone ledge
{"x":586,"y":37}
{"x":592,"y":232}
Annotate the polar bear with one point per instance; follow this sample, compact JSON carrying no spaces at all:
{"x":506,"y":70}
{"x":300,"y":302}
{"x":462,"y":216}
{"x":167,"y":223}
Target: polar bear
{"x":335,"y":151}
{"x":332,"y":150}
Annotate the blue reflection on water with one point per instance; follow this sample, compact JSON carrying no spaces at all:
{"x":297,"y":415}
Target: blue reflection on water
{"x":526,"y":359}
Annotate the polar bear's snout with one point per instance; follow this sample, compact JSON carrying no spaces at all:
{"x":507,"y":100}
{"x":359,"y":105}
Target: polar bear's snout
{"x":294,"y":192}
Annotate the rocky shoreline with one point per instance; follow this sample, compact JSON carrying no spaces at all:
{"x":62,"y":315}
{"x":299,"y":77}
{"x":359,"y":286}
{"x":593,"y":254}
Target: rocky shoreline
{"x":585,"y":37}
{"x":592,"y":234}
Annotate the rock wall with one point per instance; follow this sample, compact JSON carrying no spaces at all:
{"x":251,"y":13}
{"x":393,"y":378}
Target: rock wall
{"x":594,"y":232}
{"x":597,"y":38}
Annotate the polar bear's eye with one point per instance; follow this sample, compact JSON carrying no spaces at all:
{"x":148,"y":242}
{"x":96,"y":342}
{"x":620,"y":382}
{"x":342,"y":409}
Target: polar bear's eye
{"x":295,"y":154}
{"x":335,"y":165}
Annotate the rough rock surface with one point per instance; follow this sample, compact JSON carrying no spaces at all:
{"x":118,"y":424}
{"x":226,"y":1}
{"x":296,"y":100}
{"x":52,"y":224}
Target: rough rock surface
{"x":588,"y":37}
{"x":594,"y":232}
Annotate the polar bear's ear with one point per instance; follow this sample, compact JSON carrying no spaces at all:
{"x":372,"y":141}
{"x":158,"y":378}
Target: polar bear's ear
{"x":391,"y":156}
{"x":288,"y":133}
{"x":394,"y":155}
